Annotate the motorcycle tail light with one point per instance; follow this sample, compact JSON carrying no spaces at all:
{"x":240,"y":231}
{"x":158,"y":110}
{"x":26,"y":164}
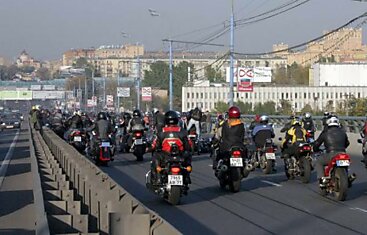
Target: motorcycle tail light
{"x":270,"y":150}
{"x":137,"y":134}
{"x":306,"y":148}
{"x":236,"y":153}
{"x":189,"y":169}
{"x":175,"y":170}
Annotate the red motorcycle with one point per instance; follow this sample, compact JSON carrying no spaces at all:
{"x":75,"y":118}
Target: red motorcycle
{"x":78,"y":140}
{"x":337,"y":179}
{"x":104,"y":152}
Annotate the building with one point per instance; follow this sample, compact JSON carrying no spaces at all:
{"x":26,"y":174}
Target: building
{"x":317,"y":97}
{"x":337,"y":74}
{"x":344,"y":45}
{"x":25,"y":60}
{"x":124,"y":51}
{"x":70,"y":56}
{"x":4,"y":61}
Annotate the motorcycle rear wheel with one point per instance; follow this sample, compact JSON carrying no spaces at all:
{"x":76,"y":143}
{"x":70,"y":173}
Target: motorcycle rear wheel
{"x":306,"y":167}
{"x":341,"y":182}
{"x":235,"y":181}
{"x":174,"y":195}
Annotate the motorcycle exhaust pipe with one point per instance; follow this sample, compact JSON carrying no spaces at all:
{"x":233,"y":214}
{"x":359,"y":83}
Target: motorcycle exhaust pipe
{"x":352,"y":177}
{"x":249,"y":167}
{"x":223,"y":167}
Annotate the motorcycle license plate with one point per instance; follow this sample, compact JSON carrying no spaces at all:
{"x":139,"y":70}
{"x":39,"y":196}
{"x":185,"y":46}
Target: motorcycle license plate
{"x":175,"y":180}
{"x":138,"y":142}
{"x":106,"y":144}
{"x":270,"y":156}
{"x":77,"y":138}
{"x":342,"y":163}
{"x":192,"y":136}
{"x":236,"y":162}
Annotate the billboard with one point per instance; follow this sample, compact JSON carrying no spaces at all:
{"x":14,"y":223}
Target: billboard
{"x":35,"y":87}
{"x":259,"y":74}
{"x":123,"y":91}
{"x":109,"y":100}
{"x":44,"y":95}
{"x":49,"y":87}
{"x":146,"y":93}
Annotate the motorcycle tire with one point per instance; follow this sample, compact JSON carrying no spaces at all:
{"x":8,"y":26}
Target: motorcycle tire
{"x":306,"y":174}
{"x":289,"y":176}
{"x":268,"y":167}
{"x":222,"y":183}
{"x":235,"y":181}
{"x":341,"y":183}
{"x":139,"y":153}
{"x":174,"y":195}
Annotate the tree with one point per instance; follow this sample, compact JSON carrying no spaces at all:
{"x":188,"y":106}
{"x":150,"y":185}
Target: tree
{"x":307,"y":109}
{"x":246,"y":108}
{"x":213,"y":75}
{"x":81,"y":62}
{"x":285,"y":107}
{"x":43,"y":74}
{"x":266,"y":108}
{"x":221,"y":106}
{"x":294,"y":74}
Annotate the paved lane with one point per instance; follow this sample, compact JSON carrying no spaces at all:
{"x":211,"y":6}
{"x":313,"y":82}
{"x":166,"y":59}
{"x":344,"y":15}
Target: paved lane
{"x":265,"y":204}
{"x":6,"y":138}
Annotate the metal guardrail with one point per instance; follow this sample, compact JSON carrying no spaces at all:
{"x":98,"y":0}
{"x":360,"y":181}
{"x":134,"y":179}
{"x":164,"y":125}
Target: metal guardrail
{"x":41,"y":216}
{"x":112,"y":208}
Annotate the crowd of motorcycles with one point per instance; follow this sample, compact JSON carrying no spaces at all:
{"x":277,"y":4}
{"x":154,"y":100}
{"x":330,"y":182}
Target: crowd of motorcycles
{"x":230,"y":170}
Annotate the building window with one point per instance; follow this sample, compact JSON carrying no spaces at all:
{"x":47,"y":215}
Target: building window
{"x":304,"y":95}
{"x":206,"y":95}
{"x":282,"y":96}
{"x":210,"y":95}
{"x":219,"y":95}
{"x":192,"y":105}
{"x":188,"y":95}
{"x":336,"y":95}
{"x":255,"y":96}
{"x":201,"y":95}
{"x":197,"y":95}
{"x":237,"y":94}
{"x":295,"y":105}
{"x":309,"y":95}
{"x":359,"y":95}
{"x":188,"y":105}
{"x":215,"y":95}
{"x":259,"y":95}
{"x":224,"y":95}
{"x":192,"y":95}
{"x":286,"y":95}
{"x":246,"y":95}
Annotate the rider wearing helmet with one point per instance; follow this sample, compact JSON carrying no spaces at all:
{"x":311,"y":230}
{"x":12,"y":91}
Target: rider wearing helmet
{"x":335,"y":141}
{"x":170,"y":134}
{"x":262,"y":131}
{"x":308,"y":123}
{"x":195,"y":119}
{"x":136,"y":120}
{"x":158,"y":119}
{"x":233,"y":132}
{"x":294,"y":136}
{"x":255,"y":122}
{"x":102,"y":128}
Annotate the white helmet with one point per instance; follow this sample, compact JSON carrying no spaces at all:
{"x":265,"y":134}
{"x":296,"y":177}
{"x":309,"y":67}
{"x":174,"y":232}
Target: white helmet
{"x":307,"y":115}
{"x":264,"y":119}
{"x":333,"y":121}
{"x":155,"y":110}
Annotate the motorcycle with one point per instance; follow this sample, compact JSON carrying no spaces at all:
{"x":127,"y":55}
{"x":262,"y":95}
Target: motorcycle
{"x":78,"y":140}
{"x":264,"y":157}
{"x":195,"y":143}
{"x":232,"y":169}
{"x":120,"y":141}
{"x":172,"y":179}
{"x":310,"y":136}
{"x":337,"y":179}
{"x":139,"y":143}
{"x":104,"y":153}
{"x":58,"y":129}
{"x":300,"y":164}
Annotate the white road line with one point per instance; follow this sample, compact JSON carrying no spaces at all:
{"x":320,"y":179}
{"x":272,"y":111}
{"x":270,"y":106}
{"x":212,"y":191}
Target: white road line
{"x":210,"y":165}
{"x":9,"y":155}
{"x":358,"y":209}
{"x":271,"y":183}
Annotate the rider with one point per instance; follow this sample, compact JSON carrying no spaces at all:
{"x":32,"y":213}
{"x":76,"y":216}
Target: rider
{"x":262,"y":131}
{"x":158,"y":119}
{"x":335,"y":141}
{"x":170,"y":134}
{"x":363,"y":133}
{"x":255,"y":122}
{"x":102,"y":128}
{"x":295,"y":135}
{"x":74,"y":123}
{"x":136,"y":120}
{"x":308,"y":124}
{"x":195,"y":119}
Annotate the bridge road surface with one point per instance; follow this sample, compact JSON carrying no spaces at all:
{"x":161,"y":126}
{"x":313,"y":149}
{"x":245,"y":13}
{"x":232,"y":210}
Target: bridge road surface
{"x":265,"y":205}
{"x":17,"y":212}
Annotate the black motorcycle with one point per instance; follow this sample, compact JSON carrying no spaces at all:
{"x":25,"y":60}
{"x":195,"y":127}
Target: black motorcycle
{"x":139,"y":142}
{"x":172,"y":178}
{"x":300,"y":164}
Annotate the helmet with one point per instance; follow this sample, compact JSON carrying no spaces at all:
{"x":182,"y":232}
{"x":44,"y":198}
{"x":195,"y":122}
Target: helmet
{"x":33,"y":107}
{"x":136,"y":113}
{"x":127,"y":115}
{"x":326,"y":114}
{"x":220,"y":117}
{"x":171,"y":118}
{"x":102,"y":115}
{"x":234,"y":112}
{"x":155,"y":110}
{"x":178,"y":114}
{"x":264,"y":119}
{"x":307,"y":115}
{"x":333,"y":121}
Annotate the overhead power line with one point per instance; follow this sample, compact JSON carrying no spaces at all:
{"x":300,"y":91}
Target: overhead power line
{"x":307,"y":42}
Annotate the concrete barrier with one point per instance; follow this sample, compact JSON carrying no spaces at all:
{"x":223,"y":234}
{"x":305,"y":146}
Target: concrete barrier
{"x":113,"y":209}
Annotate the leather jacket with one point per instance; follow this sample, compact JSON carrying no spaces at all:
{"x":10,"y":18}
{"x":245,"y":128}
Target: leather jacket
{"x":102,"y":127}
{"x":233,"y":134}
{"x":334,"y":139}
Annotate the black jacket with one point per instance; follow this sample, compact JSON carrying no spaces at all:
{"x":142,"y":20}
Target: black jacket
{"x":102,"y":128}
{"x":309,"y":125}
{"x":135,"y":121}
{"x":334,"y":139}
{"x":158,"y":121}
{"x":232,"y":135}
{"x":196,"y":114}
{"x":76,"y":122}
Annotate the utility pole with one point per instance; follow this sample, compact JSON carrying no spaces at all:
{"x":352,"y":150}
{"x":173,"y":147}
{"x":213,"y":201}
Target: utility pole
{"x":104,"y":92}
{"x":138,"y":85}
{"x":93,"y":93}
{"x":170,"y":76}
{"x":231,"y":51}
{"x":86,"y":92}
{"x":118,"y":97}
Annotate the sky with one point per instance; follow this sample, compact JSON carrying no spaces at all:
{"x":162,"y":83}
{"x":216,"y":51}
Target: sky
{"x":47,"y":28}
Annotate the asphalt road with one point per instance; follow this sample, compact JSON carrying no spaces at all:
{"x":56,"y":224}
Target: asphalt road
{"x":265,"y":205}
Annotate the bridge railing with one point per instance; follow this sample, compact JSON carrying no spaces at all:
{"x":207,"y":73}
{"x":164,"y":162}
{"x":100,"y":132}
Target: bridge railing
{"x":114,"y":210}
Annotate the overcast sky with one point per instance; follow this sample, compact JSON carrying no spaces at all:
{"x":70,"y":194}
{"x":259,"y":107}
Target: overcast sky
{"x":47,"y":28}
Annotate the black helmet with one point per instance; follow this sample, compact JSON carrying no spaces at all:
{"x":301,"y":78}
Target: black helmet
{"x":101,"y":115}
{"x":171,"y":118}
{"x":127,"y":115}
{"x":136,"y":113}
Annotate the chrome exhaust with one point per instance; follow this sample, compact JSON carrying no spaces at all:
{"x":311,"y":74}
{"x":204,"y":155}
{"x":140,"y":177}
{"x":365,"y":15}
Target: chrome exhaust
{"x":249,"y":167}
{"x":223,"y":167}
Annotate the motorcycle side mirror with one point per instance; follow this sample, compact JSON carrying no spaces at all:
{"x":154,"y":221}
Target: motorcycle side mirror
{"x":359,"y":141}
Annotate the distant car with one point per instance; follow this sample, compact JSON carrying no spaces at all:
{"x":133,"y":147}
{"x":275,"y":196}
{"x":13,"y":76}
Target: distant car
{"x":10,"y":121}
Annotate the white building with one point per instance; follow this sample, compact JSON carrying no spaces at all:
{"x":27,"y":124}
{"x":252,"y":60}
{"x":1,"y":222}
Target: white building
{"x":345,"y":74}
{"x":317,"y":97}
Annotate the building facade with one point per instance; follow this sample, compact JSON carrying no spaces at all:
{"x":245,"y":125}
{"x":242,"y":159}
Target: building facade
{"x":317,"y":97}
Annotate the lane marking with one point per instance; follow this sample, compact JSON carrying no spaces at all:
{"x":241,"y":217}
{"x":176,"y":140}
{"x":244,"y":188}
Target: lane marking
{"x":358,"y":209}
{"x":211,"y":165}
{"x":271,"y":183}
{"x":6,"y":162}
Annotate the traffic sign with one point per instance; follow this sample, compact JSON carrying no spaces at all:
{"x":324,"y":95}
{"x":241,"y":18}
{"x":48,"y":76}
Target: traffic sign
{"x":146,"y":93}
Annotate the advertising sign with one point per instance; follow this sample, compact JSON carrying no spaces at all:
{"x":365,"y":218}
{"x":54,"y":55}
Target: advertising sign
{"x":90,"y":103}
{"x":35,"y":87}
{"x":123,"y":91}
{"x":146,"y":93}
{"x":49,"y":87}
{"x":259,"y":74}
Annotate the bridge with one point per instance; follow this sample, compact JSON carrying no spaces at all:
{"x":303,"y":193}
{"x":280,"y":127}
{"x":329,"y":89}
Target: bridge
{"x":46,"y":187}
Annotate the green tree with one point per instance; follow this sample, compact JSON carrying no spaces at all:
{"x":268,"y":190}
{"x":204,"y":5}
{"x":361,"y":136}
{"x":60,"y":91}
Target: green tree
{"x":307,"y":109}
{"x":221,"y":106}
{"x":266,"y":108}
{"x":294,"y":74}
{"x":246,"y":108}
{"x":43,"y":74}
{"x":81,"y":62}
{"x":358,"y":107}
{"x":285,"y":107}
{"x":213,"y":75}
